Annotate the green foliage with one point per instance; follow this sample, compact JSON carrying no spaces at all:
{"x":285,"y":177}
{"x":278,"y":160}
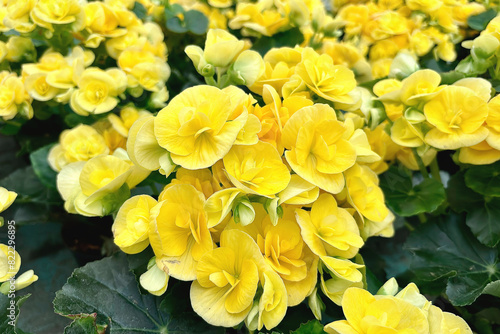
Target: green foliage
{"x":480,"y":21}
{"x":6,"y":317}
{"x":484,"y":179}
{"x":445,"y":249}
{"x":408,"y":199}
{"x":289,"y":38}
{"x":42,"y":168}
{"x":100,"y":286}
{"x":310,"y":327}
{"x":85,"y":324}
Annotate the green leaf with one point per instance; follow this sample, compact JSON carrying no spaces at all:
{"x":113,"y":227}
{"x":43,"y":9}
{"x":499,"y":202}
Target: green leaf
{"x":484,"y":221}
{"x":480,"y":21}
{"x":172,"y":11}
{"x":175,"y":24}
{"x":492,"y":288}
{"x":140,"y":11}
{"x":460,"y":197}
{"x":311,"y":327}
{"x":448,"y":78}
{"x":42,"y":168}
{"x":445,"y":248}
{"x":99,"y":287}
{"x":9,"y":312}
{"x":196,"y":22}
{"x":289,"y":38}
{"x":84,"y":324}
{"x":484,"y":179}
{"x":407,"y":200}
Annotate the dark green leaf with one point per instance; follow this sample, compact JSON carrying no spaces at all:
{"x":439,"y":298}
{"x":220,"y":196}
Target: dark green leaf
{"x":175,"y":24}
{"x":484,"y":179}
{"x":448,"y":78}
{"x":492,"y":288}
{"x":9,"y":312}
{"x":484,"y":221}
{"x":407,"y":200}
{"x":139,"y":10}
{"x":196,"y":22}
{"x":172,"y":11}
{"x":99,"y":287}
{"x":85,"y":324}
{"x":460,"y":197}
{"x":42,"y":168}
{"x":289,"y":38}
{"x":444,"y":247}
{"x":480,"y":21}
{"x":311,"y":327}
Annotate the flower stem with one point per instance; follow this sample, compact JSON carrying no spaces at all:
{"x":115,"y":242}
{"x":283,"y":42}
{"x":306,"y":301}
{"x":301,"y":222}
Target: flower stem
{"x":435,"y":170}
{"x":420,"y":163}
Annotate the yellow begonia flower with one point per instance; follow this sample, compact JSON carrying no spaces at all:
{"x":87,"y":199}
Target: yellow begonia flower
{"x":47,"y":13}
{"x":317,"y":150}
{"x":25,"y":280}
{"x":328,"y":229}
{"x":97,"y":91}
{"x":284,"y":251}
{"x":78,"y":144}
{"x":278,"y":68}
{"x":329,"y":81}
{"x":154,"y":280}
{"x":257,"y":18}
{"x":406,"y":134}
{"x":364,"y":194}
{"x":178,"y":231}
{"x":354,"y":17}
{"x":377,"y":314}
{"x":334,"y":288}
{"x":201,"y":179}
{"x":426,"y":6}
{"x":6,"y":198}
{"x":343,"y":269}
{"x":446,"y":322}
{"x":298,"y":192}
{"x":407,"y":158}
{"x":381,"y":143}
{"x":242,"y":101}
{"x":144,"y":150}
{"x":479,"y":154}
{"x":194,"y":127}
{"x":493,"y":122}
{"x":13,"y":97}
{"x":421,"y":86}
{"x":10,"y":262}
{"x":248,"y":67}
{"x":144,"y":69}
{"x":18,"y":15}
{"x":220,"y":204}
{"x":227,"y":280}
{"x":458,"y":115}
{"x":101,"y":21}
{"x":37,"y":87}
{"x":124,"y":122}
{"x":131,"y":225}
{"x":256,"y":169}
{"x":221,"y":48}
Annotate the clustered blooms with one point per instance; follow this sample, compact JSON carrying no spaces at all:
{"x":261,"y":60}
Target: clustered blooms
{"x":272,"y":193}
{"x":72,"y":78}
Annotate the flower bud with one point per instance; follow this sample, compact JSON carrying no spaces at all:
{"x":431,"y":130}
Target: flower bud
{"x":403,"y":65}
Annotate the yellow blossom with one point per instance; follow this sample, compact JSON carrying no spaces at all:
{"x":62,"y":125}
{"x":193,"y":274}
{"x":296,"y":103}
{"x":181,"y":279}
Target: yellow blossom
{"x":178,"y":231}
{"x":47,"y":13}
{"x":377,"y":314}
{"x":329,"y":81}
{"x":194,"y":127}
{"x":6,"y":198}
{"x":78,"y":144}
{"x":8,"y":270}
{"x":328,"y":229}
{"x":154,"y":280}
{"x":458,"y":115}
{"x":256,"y":169}
{"x":97,"y":91}
{"x":131,"y":225}
{"x":317,"y":149}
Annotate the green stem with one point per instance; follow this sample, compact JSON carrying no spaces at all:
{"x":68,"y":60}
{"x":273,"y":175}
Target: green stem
{"x":422,"y":217}
{"x":435,"y":170}
{"x":420,"y":163}
{"x":409,"y":227}
{"x":210,"y":81}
